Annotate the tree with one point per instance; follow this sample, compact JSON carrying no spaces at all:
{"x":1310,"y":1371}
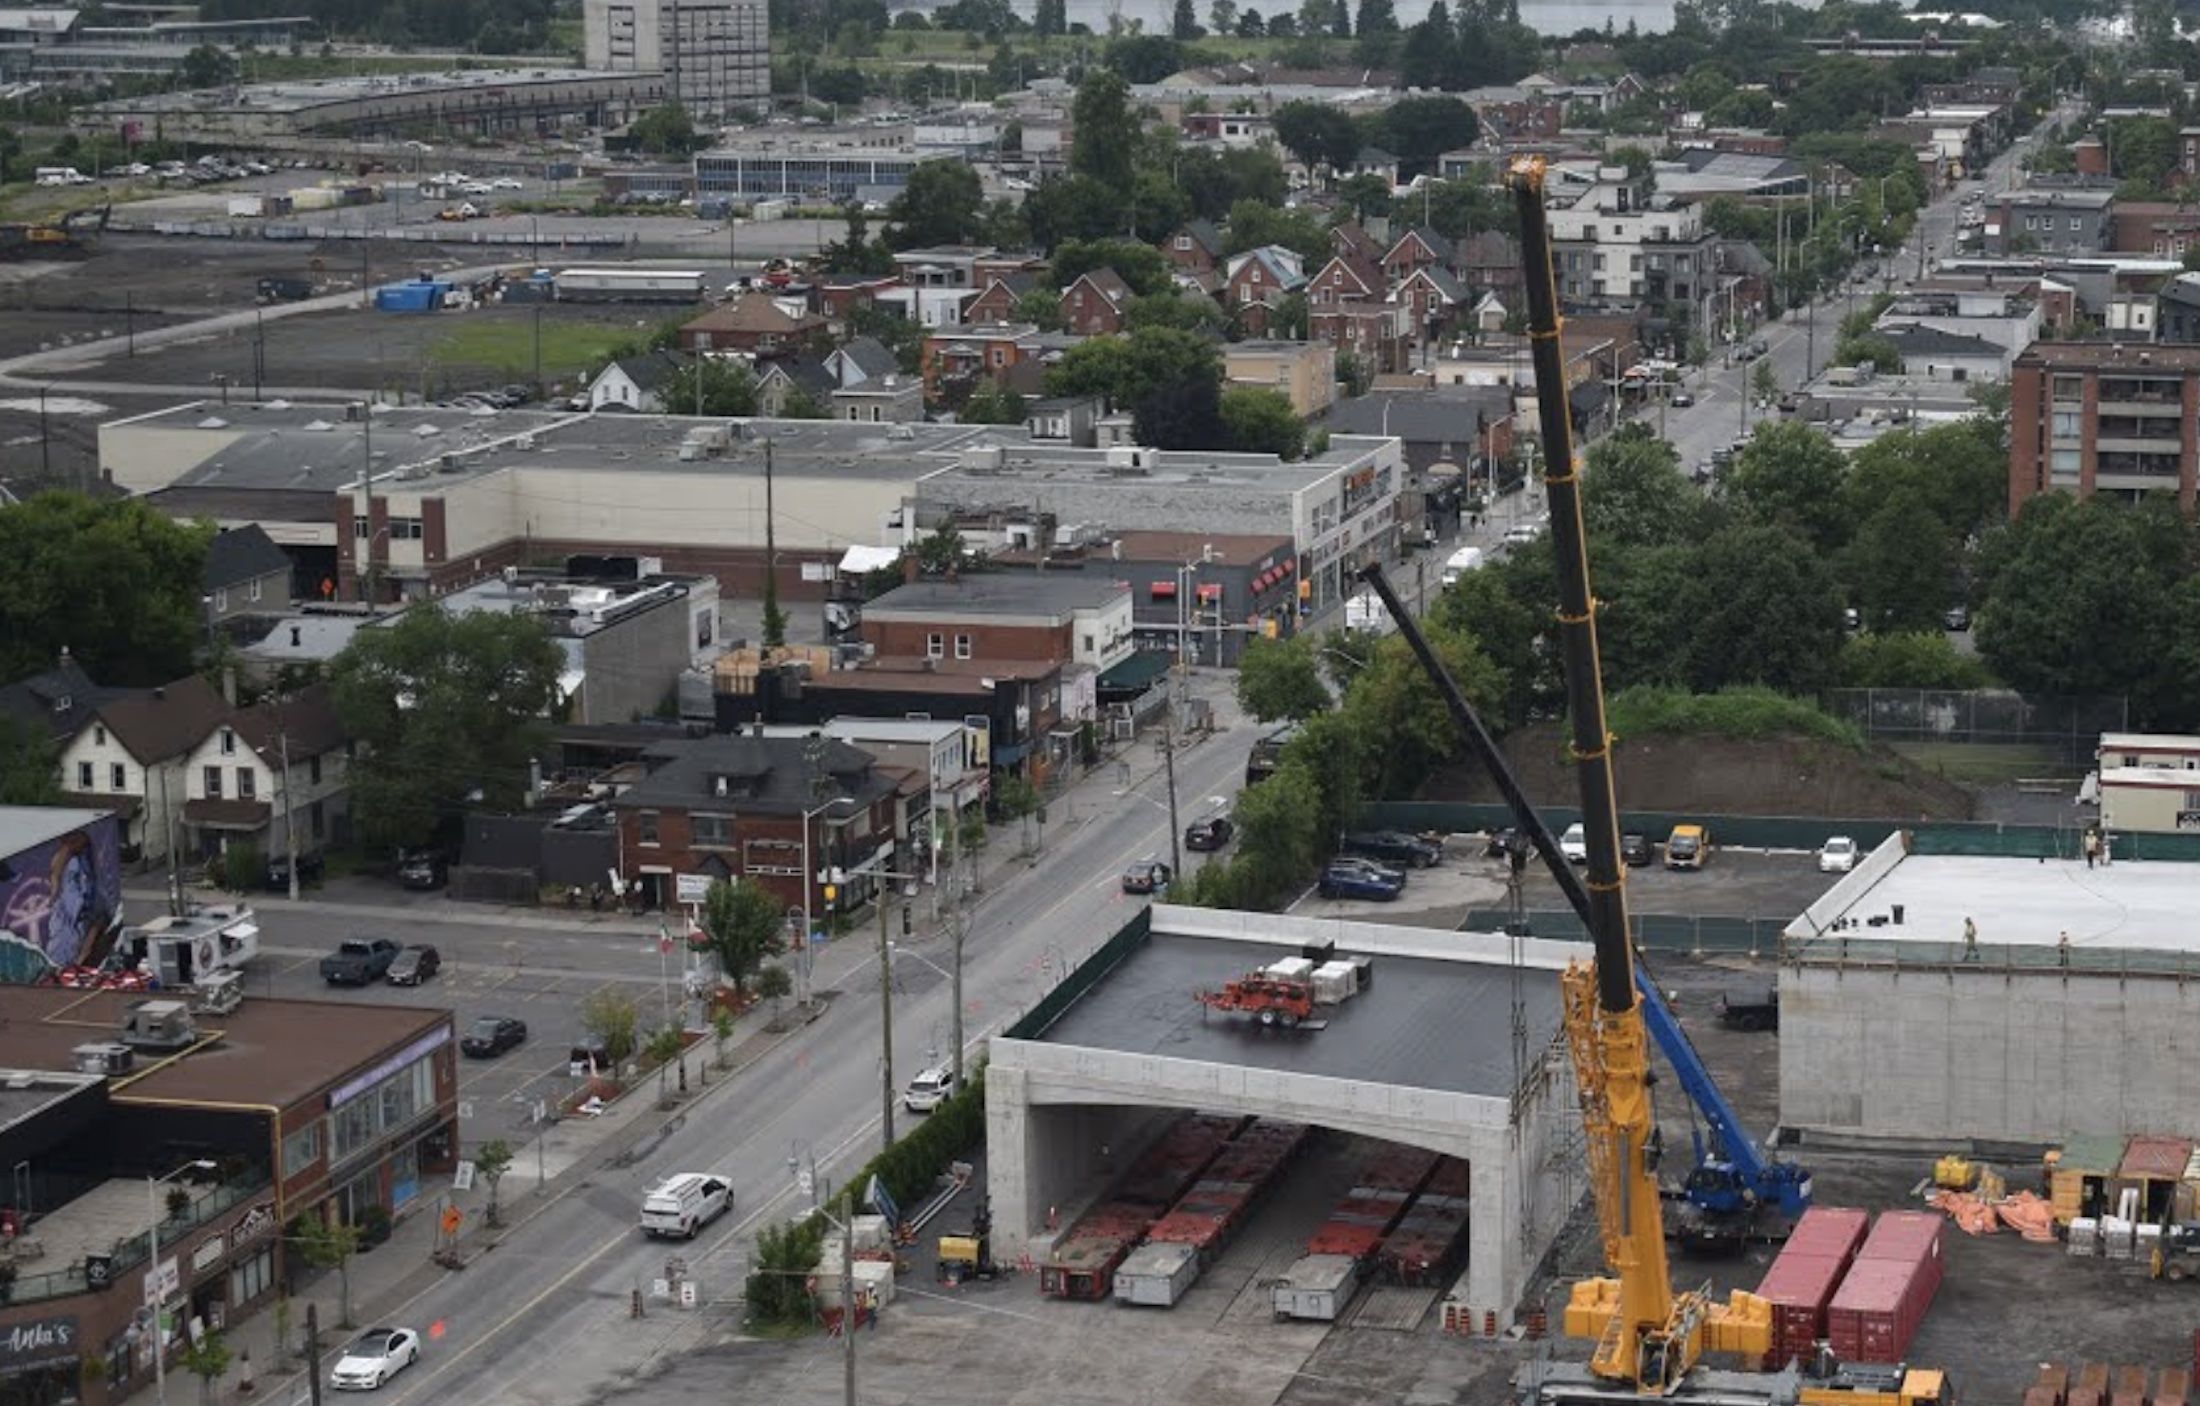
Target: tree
{"x":1185,"y":24}
{"x":1183,"y":414}
{"x":1766,"y":611}
{"x":1900,"y":566}
{"x":491,"y":1161}
{"x":1393,"y":700}
{"x":856,"y":251}
{"x":802,"y":404}
{"x":1281,"y":678}
{"x":742,"y":924}
{"x":1377,"y":17}
{"x":114,"y":582}
{"x":713,"y":386}
{"x":666,"y":1044}
{"x":1317,"y":134}
{"x":1127,"y":369}
{"x":327,"y":1244}
{"x":1192,"y":312}
{"x":612,"y":1017}
{"x":1635,"y":494}
{"x":1789,"y":475}
{"x":1960,"y":473}
{"x":29,"y":774}
{"x":667,"y":131}
{"x":939,"y":205}
{"x":1107,"y":130}
{"x":1258,"y":420}
{"x":451,"y":709}
{"x":1253,"y":225}
{"x":1764,"y":383}
{"x":780,"y":1270}
{"x":1366,"y":194}
{"x":1340,"y":20}
{"x":1222,"y":16}
{"x":773,"y":985}
{"x":1419,"y":130}
{"x":208,"y":67}
{"x":1145,"y":58}
{"x":1923,"y":659}
{"x":1140,"y":265}
{"x":1041,"y":307}
{"x":208,"y":1359}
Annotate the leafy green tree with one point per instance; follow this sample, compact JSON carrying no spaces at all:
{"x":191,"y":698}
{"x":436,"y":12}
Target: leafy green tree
{"x":1280,"y":838}
{"x":1340,"y":19}
{"x":326,"y":1244}
{"x":1107,"y":130}
{"x":1258,"y":420}
{"x":856,"y":251}
{"x":667,"y":131}
{"x":491,"y":1161}
{"x":113,"y":581}
{"x":940,"y":205}
{"x":29,"y":763}
{"x":773,"y":985}
{"x":1214,"y":180}
{"x":1900,"y":566}
{"x":1139,"y":265}
{"x":1959,"y":472}
{"x":1042,"y":308}
{"x":1180,"y":415}
{"x":612,"y":1017}
{"x":1192,"y":312}
{"x":1145,"y":58}
{"x":710,"y":385}
{"x":991,"y":404}
{"x":1764,"y":382}
{"x":802,"y":404}
{"x":1635,"y":494}
{"x":1281,"y":678}
{"x":742,"y":924}
{"x":1767,"y":611}
{"x":1392,"y":699}
{"x":1072,"y":207}
{"x":1789,"y":475}
{"x":1253,"y":226}
{"x":1509,"y":625}
{"x":779,"y":1272}
{"x":1185,"y":24}
{"x":1646,"y":621}
{"x":450,"y":708}
{"x":1920,"y":659}
{"x":1419,"y":130}
{"x":666,"y":1044}
{"x":1127,"y":369}
{"x":207,"y":67}
{"x":1318,"y":135}
{"x":208,"y":1359}
{"x":1366,"y":194}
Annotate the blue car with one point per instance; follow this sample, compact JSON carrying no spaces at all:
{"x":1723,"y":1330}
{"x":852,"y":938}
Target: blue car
{"x":1359,"y":878}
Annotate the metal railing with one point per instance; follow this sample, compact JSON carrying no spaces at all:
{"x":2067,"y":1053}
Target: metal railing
{"x":129,"y":1252}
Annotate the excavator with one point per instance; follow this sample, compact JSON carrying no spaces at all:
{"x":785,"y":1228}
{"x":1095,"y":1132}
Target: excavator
{"x":1650,"y":1339}
{"x":74,"y":235}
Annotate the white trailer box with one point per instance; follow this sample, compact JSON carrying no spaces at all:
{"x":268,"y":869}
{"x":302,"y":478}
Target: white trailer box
{"x":870,"y":1232}
{"x":245,"y":207}
{"x":1317,"y":1288}
{"x":1156,"y":1275}
{"x":1291,"y":969}
{"x":1335,"y":982}
{"x":875,"y":1282}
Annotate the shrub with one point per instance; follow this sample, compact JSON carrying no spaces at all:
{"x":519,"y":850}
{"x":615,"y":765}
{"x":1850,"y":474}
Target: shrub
{"x":1745,"y":712}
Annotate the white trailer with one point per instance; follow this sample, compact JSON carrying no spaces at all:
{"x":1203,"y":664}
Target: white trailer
{"x":1317,"y":1287}
{"x":1156,"y":1275}
{"x":177,"y":952}
{"x":629,"y":285}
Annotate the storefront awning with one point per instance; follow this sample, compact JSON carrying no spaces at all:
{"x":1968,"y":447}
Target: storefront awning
{"x":1134,"y":674}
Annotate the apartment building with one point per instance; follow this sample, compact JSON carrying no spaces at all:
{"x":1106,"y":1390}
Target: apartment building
{"x":2104,"y":417}
{"x":1620,"y":246}
{"x":717,"y":53}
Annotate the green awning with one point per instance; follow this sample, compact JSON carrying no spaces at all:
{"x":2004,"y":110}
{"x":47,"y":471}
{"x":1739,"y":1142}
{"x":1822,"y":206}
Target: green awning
{"x":1135,"y":673}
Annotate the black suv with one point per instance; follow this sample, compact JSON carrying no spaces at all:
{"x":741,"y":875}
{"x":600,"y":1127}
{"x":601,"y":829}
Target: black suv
{"x":422,"y":869}
{"x":310,"y":869}
{"x":1395,"y":847}
{"x":1210,"y":834}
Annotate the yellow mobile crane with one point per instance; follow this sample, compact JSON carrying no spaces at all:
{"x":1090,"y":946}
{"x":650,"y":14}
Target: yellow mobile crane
{"x":1650,"y":1340}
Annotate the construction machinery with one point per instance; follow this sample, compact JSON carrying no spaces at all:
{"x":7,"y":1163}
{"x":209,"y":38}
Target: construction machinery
{"x":1271,"y":998}
{"x":1650,"y":1339}
{"x":72,"y":236}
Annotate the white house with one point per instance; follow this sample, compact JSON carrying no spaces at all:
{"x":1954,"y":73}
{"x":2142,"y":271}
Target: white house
{"x":636,"y":383}
{"x":234,"y":790}
{"x":129,"y":757}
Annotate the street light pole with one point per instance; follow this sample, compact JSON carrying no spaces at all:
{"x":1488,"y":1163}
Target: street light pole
{"x":290,"y":811}
{"x":158,"y":1293}
{"x":885,"y":1022}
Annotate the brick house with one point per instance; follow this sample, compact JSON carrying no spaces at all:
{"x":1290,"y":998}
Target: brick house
{"x":1195,"y":248}
{"x":997,"y":303}
{"x":1097,"y":304}
{"x":1257,"y":280}
{"x":1417,"y":248}
{"x":756,"y":323}
{"x":954,"y":357}
{"x":981,"y":619}
{"x":1346,"y":278}
{"x":793,"y":814}
{"x":1370,"y":330}
{"x":1430,"y":300}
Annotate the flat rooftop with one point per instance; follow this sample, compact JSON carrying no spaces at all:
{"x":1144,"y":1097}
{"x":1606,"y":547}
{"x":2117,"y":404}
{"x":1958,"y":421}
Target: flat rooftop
{"x":23,"y":827}
{"x":1059,"y":594}
{"x":26,"y":1093}
{"x":267,"y":1052}
{"x":300,"y":95}
{"x":2030,"y":902}
{"x":1421,"y":1023}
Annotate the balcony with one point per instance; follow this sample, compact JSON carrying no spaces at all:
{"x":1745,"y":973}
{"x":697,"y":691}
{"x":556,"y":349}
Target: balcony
{"x":128,"y":1252}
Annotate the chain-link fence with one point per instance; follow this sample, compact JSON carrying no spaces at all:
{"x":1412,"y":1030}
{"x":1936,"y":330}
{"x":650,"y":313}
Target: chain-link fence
{"x":2069,"y":726}
{"x":1654,"y":932}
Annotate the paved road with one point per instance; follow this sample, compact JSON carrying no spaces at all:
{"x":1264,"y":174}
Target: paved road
{"x":544,"y":1318}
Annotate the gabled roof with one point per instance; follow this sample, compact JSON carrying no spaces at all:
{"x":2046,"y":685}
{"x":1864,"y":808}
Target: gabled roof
{"x":61,"y":700}
{"x":1435,"y":243}
{"x":1204,"y":233}
{"x":808,"y":372}
{"x":1488,"y":249}
{"x":1280,"y":264}
{"x":768,"y":774}
{"x":241,"y":555}
{"x":650,"y":371}
{"x":306,"y":723}
{"x":1915,"y":340}
{"x":1020,"y":282}
{"x":1108,"y":284}
{"x":754,"y":313}
{"x":1369,"y":278}
{"x":1439,"y":278}
{"x":155,"y":724}
{"x":868,"y":355}
{"x":1350,"y":237}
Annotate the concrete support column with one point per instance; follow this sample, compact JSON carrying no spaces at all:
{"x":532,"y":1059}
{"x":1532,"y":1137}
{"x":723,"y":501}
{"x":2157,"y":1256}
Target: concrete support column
{"x":1493,"y":1237}
{"x":1009,"y":1157}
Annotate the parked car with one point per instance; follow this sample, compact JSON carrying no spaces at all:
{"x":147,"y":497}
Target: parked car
{"x":1357,"y":878}
{"x":1837,"y":855}
{"x":491,"y":1035}
{"x":414,"y":965}
{"x":1574,"y":844}
{"x":359,"y":961}
{"x":1635,"y":849}
{"x":1958,"y":617}
{"x":422,"y":869}
{"x":929,"y":1089}
{"x":310,"y":868}
{"x":1681,"y":400}
{"x":1757,"y":1008}
{"x":1688,"y":847}
{"x":1522,"y":534}
{"x":1147,"y":876}
{"x":1395,"y":847}
{"x":1210,"y":834}
{"x":374,"y":1357}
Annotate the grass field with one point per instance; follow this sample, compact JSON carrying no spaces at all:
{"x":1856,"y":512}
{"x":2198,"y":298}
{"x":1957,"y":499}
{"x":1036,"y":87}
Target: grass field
{"x":1983,"y":763}
{"x":505,"y":342}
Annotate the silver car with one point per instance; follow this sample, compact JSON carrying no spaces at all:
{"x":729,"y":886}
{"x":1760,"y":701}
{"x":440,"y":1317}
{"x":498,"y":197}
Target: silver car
{"x":374,"y":1357}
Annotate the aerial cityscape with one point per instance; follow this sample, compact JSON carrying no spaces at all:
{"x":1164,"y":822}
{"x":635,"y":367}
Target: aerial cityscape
{"x":1099,"y":701}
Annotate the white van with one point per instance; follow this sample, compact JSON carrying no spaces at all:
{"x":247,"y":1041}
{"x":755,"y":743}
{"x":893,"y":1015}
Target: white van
{"x":1461,"y":562}
{"x":684,"y":1203}
{"x":61,"y":176}
{"x":1365,"y":612}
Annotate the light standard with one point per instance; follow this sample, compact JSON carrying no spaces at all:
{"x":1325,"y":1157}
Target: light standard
{"x":156,"y":1292}
{"x":290,"y":829}
{"x":809,"y":885}
{"x":795,"y":1168}
{"x":955,"y":984}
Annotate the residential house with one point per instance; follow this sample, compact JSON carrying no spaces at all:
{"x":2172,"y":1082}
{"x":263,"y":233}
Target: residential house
{"x":1417,"y":248}
{"x":1619,"y":246}
{"x":56,"y":703}
{"x":757,"y":324}
{"x":1097,"y":304}
{"x":1351,"y":239}
{"x":2052,"y":220}
{"x":2155,"y":227}
{"x":637,"y":382}
{"x":1195,"y":249}
{"x":130,"y":758}
{"x":955,"y":357}
{"x":999,"y":299}
{"x":943,"y":266}
{"x":868,"y":384}
{"x":1348,"y":277}
{"x":815,"y":821}
{"x":1231,"y":129}
{"x":1371,"y":331}
{"x":1430,"y":300}
{"x":245,"y":575}
{"x":260,"y":774}
{"x":1256,"y":281}
{"x":1065,"y":419}
{"x":839,"y":295}
{"x":1489,"y":261}
{"x":781,"y":382}
{"x":1374,"y":161}
{"x":2177,"y":310}
{"x":1304,"y":371}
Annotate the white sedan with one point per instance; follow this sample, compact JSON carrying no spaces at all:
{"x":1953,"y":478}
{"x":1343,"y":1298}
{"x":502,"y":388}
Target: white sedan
{"x":1574,"y":844}
{"x":374,"y":1357}
{"x":1838,"y":856}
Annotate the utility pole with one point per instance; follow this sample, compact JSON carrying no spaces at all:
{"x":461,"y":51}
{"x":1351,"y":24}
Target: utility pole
{"x":129,"y":321}
{"x":313,"y":1352}
{"x":538,"y":351}
{"x":885,"y":1021}
{"x":168,"y":825}
{"x":290,"y":812}
{"x":957,"y":929}
{"x":1168,"y":761}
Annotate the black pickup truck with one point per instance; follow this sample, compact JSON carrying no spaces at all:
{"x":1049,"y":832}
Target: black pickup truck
{"x":1750,"y":1008}
{"x":359,"y":961}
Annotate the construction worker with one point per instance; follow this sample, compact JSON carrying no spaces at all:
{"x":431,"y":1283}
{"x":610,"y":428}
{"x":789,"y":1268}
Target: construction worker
{"x":2092,"y":847}
{"x":1970,"y":940}
{"x":2062,"y":948}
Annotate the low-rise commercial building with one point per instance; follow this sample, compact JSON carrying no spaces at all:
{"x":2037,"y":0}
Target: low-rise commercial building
{"x":1306,"y":372}
{"x":989,"y":618}
{"x":764,"y":167}
{"x":489,"y":102}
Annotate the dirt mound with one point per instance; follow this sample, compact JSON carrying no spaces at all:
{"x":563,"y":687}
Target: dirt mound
{"x":1721,"y":776}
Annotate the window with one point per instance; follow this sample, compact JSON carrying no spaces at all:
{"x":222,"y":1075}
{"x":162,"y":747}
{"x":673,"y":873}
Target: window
{"x":302,"y":1149}
{"x":645,"y":827}
{"x":118,"y":777}
{"x":2076,"y":224}
{"x":405,"y":529}
{"x":712,"y":831}
{"x":962,"y":646}
{"x":221,"y":600}
{"x":2069,"y":461}
{"x":83,"y":776}
{"x":385,"y":1108}
{"x":1183,"y":241}
{"x":934,"y":646}
{"x":251,"y":1278}
{"x":229,"y":743}
{"x":313,"y":771}
{"x":2067,"y":424}
{"x":213,"y":779}
{"x":99,"y":736}
{"x":255,"y":591}
{"x":361,"y":528}
{"x":246,"y":783}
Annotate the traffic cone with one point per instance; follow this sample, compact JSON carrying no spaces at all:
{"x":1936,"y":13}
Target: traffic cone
{"x":1489,"y":1322}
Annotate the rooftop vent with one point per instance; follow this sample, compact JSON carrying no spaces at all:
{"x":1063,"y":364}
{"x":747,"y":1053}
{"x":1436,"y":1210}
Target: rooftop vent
{"x":104,"y":1057}
{"x":158,"y":1025}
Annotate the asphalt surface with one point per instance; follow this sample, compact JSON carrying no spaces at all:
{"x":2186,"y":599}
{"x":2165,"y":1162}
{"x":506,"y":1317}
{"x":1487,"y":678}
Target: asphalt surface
{"x":546,"y":1327}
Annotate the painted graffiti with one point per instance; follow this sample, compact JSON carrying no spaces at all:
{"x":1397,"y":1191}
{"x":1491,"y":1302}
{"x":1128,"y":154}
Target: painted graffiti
{"x":59,"y":902}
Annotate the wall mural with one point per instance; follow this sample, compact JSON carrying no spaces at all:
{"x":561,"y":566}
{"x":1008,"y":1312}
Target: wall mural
{"x":59,"y":902}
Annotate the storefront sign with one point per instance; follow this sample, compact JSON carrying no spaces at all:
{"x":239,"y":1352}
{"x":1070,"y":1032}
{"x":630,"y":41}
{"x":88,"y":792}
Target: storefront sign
{"x":419,"y":1049}
{"x":691,"y":888}
{"x":209,"y":1253}
{"x":257,"y":1222}
{"x":38,"y":1342}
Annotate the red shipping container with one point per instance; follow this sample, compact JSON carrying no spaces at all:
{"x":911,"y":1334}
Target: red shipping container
{"x":1799,"y":1287}
{"x":2093,"y":1377}
{"x":1828,"y":1232}
{"x":1876,"y":1311}
{"x":2174,"y":1386}
{"x":1905,"y":1236}
{"x":2040,"y":1396}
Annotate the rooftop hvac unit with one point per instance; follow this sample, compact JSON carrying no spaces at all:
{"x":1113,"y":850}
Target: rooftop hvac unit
{"x":104,"y":1057}
{"x":158,"y":1025}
